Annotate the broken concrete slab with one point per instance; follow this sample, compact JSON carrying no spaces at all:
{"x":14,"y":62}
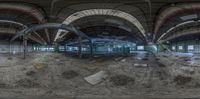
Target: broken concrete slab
{"x":118,"y":58}
{"x":123,"y":60}
{"x":139,"y":58}
{"x":96,"y":78}
{"x":140,"y":65}
{"x":40,"y":66}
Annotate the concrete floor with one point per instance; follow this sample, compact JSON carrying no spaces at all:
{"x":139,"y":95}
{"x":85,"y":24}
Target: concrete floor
{"x":43,"y":75}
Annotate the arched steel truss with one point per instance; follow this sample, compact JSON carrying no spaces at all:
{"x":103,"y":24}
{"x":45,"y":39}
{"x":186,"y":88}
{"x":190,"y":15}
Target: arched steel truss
{"x":177,"y":26}
{"x":105,"y":12}
{"x":168,"y":13}
{"x":181,"y":33}
{"x":12,"y":31}
{"x":51,"y":26}
{"x":65,"y":27}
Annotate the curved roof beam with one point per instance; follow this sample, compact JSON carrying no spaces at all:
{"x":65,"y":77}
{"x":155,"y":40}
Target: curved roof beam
{"x":182,"y":33}
{"x":174,"y":28}
{"x":13,"y":22}
{"x":106,"y":12}
{"x":37,"y":14}
{"x":167,"y":13}
{"x":12,"y":31}
{"x":120,"y":27}
{"x":28,"y":9}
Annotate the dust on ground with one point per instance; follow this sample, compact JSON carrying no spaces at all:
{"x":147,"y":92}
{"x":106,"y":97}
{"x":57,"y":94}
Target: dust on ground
{"x":60,"y":75}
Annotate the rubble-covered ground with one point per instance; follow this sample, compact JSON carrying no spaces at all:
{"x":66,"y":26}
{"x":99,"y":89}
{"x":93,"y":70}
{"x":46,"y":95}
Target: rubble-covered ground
{"x":58,"y":75}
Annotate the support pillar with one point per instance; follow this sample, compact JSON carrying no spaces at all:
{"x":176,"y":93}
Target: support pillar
{"x":152,"y":48}
{"x":10,"y":47}
{"x":91,"y":48}
{"x":185,"y":47}
{"x":24,"y":46}
{"x":80,"y":47}
{"x":65,"y":48}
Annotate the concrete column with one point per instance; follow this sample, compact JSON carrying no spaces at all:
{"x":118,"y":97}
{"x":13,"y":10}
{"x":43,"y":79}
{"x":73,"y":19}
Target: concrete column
{"x":25,"y":46}
{"x":91,"y":48}
{"x":152,"y":47}
{"x":80,"y":47}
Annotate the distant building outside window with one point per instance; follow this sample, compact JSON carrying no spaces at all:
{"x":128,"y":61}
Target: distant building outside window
{"x":180,"y":47}
{"x":190,"y":47}
{"x":84,"y":49}
{"x":140,"y":47}
{"x":110,"y":49}
{"x":173,"y":48}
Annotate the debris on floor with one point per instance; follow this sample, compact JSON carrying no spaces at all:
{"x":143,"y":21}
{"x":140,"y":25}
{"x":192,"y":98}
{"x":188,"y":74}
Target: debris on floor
{"x":123,"y":60}
{"x":160,"y":75}
{"x":40,"y":66}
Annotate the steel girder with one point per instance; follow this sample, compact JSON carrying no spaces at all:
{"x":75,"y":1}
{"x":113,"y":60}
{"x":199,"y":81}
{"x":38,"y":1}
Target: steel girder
{"x":70,"y":28}
{"x":31,"y":29}
{"x":181,"y":33}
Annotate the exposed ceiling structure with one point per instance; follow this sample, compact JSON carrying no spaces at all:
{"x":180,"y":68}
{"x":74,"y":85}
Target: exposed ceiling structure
{"x":177,"y":20}
{"x":135,"y":20}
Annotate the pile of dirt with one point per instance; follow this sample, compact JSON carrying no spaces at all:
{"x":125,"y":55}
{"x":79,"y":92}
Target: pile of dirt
{"x":185,"y":58}
{"x":160,"y":64}
{"x":27,"y":83}
{"x":70,"y":74}
{"x":182,"y":80}
{"x":30,"y":73}
{"x":145,"y":59}
{"x":10,"y":58}
{"x":196,"y":58}
{"x":122,"y":80}
{"x":3,"y":85}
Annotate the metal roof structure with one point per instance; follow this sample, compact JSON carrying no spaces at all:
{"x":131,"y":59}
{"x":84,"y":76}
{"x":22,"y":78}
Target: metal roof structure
{"x":147,"y":20}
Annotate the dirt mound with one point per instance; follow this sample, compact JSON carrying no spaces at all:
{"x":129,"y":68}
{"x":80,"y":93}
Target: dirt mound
{"x":121,"y":80}
{"x":181,"y":80}
{"x":70,"y":74}
{"x":27,"y":83}
{"x":30,"y":73}
{"x":3,"y":85}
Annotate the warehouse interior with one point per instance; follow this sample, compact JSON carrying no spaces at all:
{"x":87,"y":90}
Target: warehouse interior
{"x":104,"y":49}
